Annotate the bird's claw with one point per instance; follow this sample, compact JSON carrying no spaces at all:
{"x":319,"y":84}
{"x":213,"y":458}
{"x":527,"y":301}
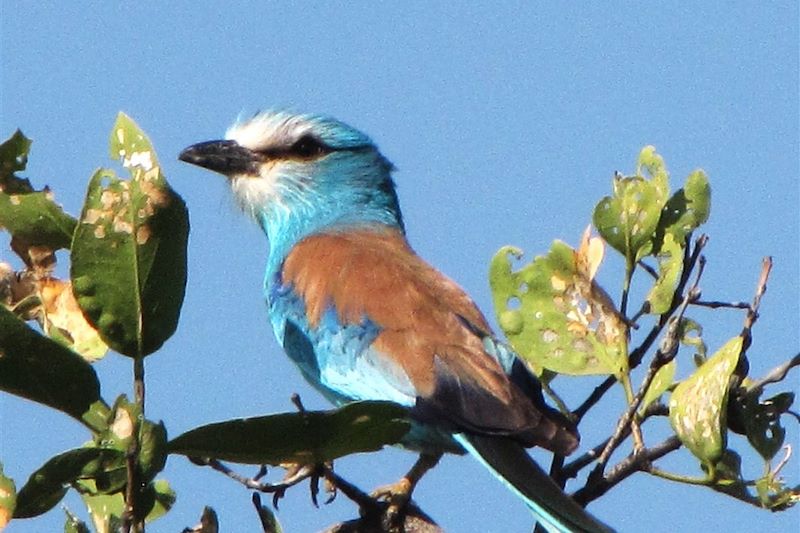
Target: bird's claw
{"x":295,"y":473}
{"x":397,"y":497}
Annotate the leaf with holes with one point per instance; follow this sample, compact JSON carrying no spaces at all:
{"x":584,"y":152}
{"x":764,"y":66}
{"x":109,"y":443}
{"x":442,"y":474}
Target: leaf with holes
{"x":307,"y":438}
{"x":670,"y":262}
{"x":13,"y":158}
{"x":129,"y":251}
{"x":762,"y":421}
{"x":37,"y":224}
{"x":553,"y":313}
{"x":697,"y":408}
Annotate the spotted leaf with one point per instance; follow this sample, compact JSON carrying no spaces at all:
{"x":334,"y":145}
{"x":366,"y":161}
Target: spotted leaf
{"x":697,"y":407}
{"x":64,"y":321}
{"x":129,"y":251}
{"x":553,"y":313}
{"x":37,"y":224}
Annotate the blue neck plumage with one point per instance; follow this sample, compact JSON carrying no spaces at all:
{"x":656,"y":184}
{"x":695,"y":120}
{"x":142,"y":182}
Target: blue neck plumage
{"x":344,"y":204}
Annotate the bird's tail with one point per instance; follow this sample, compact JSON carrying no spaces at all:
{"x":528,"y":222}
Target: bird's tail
{"x":510,"y":463}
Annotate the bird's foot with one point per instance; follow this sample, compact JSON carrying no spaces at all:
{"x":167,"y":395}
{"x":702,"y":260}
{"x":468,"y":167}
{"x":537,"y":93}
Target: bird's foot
{"x":295,"y":473}
{"x":397,"y":496}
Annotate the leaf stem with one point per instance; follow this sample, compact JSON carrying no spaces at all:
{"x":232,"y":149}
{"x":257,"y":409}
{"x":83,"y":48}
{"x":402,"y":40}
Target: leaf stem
{"x":130,"y":523}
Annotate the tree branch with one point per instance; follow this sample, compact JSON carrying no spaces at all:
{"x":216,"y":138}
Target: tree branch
{"x":666,"y":352}
{"x":775,"y":375}
{"x":752,"y":313}
{"x":635,"y":462}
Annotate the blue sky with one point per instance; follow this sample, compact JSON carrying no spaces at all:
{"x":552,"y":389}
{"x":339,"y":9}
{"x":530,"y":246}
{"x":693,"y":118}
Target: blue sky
{"x":506,"y":123}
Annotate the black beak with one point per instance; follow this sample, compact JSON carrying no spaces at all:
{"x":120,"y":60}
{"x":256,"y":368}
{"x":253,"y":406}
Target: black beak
{"x":226,"y":157}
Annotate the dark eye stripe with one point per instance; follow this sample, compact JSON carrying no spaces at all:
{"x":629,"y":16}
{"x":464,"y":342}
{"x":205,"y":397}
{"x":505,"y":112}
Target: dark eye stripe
{"x":307,"y":147}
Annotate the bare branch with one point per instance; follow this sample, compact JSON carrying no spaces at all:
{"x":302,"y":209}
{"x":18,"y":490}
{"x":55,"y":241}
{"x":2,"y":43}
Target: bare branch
{"x":774,"y":376}
{"x":635,"y":462}
{"x":571,"y":469}
{"x":666,"y":352}
{"x":752,"y":313}
{"x":713,"y":304}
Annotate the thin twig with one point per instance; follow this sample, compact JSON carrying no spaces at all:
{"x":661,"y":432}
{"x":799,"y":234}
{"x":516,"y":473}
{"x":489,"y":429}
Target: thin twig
{"x":571,"y":469}
{"x":635,"y":462}
{"x":713,"y":304}
{"x":774,"y":376}
{"x":666,"y":352}
{"x":361,"y":498}
{"x":752,"y":313}
{"x":647,"y":268}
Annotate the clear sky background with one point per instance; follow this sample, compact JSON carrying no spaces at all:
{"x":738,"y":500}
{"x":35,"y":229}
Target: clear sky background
{"x":506,"y":123}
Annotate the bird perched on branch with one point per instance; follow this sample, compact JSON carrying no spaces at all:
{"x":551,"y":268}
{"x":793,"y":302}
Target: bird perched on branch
{"x":364,"y":318}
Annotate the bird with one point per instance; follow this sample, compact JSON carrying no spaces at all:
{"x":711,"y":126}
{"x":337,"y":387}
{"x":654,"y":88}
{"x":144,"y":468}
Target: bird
{"x":363,"y":317}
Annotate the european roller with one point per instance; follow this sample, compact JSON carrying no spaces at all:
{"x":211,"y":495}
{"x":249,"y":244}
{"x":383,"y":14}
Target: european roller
{"x":365,"y":318}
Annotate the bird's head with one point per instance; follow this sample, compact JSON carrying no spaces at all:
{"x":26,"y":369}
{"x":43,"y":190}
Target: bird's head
{"x":298,"y":174}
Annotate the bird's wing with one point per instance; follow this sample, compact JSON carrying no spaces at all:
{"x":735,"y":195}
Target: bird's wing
{"x":384,"y":324}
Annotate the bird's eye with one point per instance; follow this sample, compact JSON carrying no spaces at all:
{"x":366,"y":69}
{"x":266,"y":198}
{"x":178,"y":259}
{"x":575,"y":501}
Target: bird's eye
{"x":308,"y":147}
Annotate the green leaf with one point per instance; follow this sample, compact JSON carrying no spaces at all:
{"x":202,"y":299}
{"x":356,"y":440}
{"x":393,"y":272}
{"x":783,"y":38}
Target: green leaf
{"x":555,"y":316}
{"x":129,"y":251}
{"x":670,"y":263}
{"x":165,"y":498}
{"x":8,"y":498}
{"x":39,"y":369}
{"x":628,"y":219}
{"x":127,"y":419}
{"x":153,"y":448}
{"x":73,"y":524}
{"x":690,"y":333}
{"x":652,"y":163}
{"x":308,"y":437}
{"x":726,"y":474}
{"x":47,"y":486}
{"x":13,"y":158}
{"x":155,"y":500}
{"x":661,"y":382}
{"x":36,"y":219}
{"x":105,"y":509}
{"x":773,"y":494}
{"x":30,"y":216}
{"x":686,"y":210}
{"x":698,"y":405}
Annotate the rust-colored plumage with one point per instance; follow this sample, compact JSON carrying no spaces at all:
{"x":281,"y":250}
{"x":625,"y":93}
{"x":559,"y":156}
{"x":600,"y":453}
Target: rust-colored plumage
{"x":429,"y":328}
